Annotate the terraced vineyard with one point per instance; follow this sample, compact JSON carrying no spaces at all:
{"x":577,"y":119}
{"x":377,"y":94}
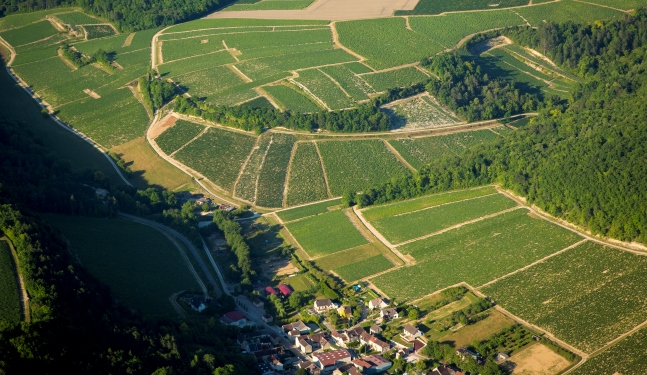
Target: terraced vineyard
{"x":607,"y":294}
{"x":306,"y":180}
{"x":178,"y":135}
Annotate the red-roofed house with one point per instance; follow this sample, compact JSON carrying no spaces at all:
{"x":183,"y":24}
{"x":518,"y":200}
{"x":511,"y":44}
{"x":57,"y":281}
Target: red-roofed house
{"x":270,"y":290}
{"x":328,"y":361}
{"x":372,"y":364}
{"x":418,"y":345}
{"x":285,"y":289}
{"x":234,"y":318}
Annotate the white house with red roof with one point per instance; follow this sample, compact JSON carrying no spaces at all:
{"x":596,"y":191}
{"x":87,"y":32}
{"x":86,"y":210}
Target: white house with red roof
{"x":235,"y":318}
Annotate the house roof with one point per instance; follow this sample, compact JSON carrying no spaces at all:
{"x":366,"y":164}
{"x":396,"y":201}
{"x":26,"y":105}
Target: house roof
{"x":296,"y":326}
{"x":361,"y":363}
{"x":410,"y":329}
{"x":443,"y":370}
{"x":417,"y":345}
{"x":304,"y":364}
{"x":264,"y":368}
{"x":376,"y":301}
{"x":390,"y":311}
{"x":285,"y":289}
{"x":271,"y":290}
{"x":330,"y":358}
{"x":323,"y":302}
{"x":376,"y":360}
{"x":376,"y":328}
{"x":234,"y":316}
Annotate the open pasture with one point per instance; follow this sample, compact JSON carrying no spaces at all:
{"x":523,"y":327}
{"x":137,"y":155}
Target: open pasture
{"x":382,"y":81}
{"x":363,"y":268}
{"x":218,"y":154}
{"x":625,"y":357}
{"x":326,"y":234}
{"x":475,"y":253}
{"x":358,"y":165}
{"x":407,"y":226}
{"x":306,"y":178}
{"x":441,"y":6}
{"x":419,"y":112}
{"x":321,"y":86}
{"x":10,"y":306}
{"x":378,"y":212}
{"x":566,"y":10}
{"x":292,"y":98}
{"x":307,"y":211}
{"x":77,"y":18}
{"x":178,"y":135}
{"x":586,"y":296}
{"x":271,"y":179}
{"x":248,"y":180}
{"x":386,"y":42}
{"x":29,"y":33}
{"x":141,"y":266}
{"x":270,"y":5}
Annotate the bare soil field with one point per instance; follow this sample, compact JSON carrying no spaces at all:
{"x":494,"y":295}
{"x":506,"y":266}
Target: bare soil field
{"x":538,"y":359}
{"x":160,"y":126}
{"x":333,"y":10}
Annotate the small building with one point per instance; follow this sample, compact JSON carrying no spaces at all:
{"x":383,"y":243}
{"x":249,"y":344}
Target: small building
{"x":349,"y":369}
{"x":374,"y":343}
{"x":258,"y":303}
{"x":202,"y":201}
{"x":312,"y":343}
{"x":198,"y":304}
{"x":373,"y":364}
{"x":418,"y":345}
{"x":234,"y":318}
{"x":285,"y":290}
{"x":267,"y":318}
{"x":375,"y":329}
{"x":464,"y":353}
{"x":443,"y":370}
{"x":378,"y":303}
{"x":296,"y":329}
{"x":274,"y":361}
{"x":323,"y":305}
{"x":502,"y":357}
{"x":329,"y":361}
{"x":389,"y":313}
{"x":270,"y":290}
{"x":411,"y":333}
{"x":345,"y":311}
{"x":342,"y":338}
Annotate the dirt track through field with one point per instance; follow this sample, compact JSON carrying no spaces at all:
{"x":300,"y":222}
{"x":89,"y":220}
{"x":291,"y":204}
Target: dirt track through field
{"x":323,"y":169}
{"x":408,"y":259}
{"x":397,"y":155}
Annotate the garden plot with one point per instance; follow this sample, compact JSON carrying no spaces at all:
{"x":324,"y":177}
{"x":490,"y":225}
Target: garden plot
{"x":306,"y":182}
{"x":586,"y":296}
{"x":326,"y":233}
{"x":382,"y":81}
{"x":271,"y":180}
{"x":309,"y":210}
{"x":403,"y":227}
{"x":358,"y":165}
{"x":419,"y":112}
{"x":475,"y":253}
{"x":178,"y":135}
{"x":363,"y":268}
{"x":248,"y":179}
{"x":352,"y":84}
{"x":321,"y":86}
{"x":293,"y":99}
{"x":218,"y":155}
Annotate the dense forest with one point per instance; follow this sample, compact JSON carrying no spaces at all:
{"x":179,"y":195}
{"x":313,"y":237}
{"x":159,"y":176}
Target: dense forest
{"x":583,"y":160}
{"x":127,"y":15}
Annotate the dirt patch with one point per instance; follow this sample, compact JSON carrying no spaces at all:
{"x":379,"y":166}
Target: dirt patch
{"x":538,"y":360}
{"x":129,"y":39}
{"x":489,"y":44}
{"x":539,"y":55}
{"x":278,"y":267}
{"x":92,"y":94}
{"x":204,"y":41}
{"x":162,"y":125}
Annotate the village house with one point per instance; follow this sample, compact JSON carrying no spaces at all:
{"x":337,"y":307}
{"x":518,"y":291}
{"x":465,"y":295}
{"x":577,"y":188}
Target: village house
{"x":375,"y":329}
{"x":418,"y":345}
{"x":275,"y":362}
{"x":258,"y":303}
{"x":329,"y":361}
{"x":270,"y":290}
{"x":310,"y":367}
{"x":285,"y":290}
{"x":378,"y":303}
{"x":342,"y":338}
{"x":345,"y":311}
{"x":502,"y":357}
{"x":410,"y":333}
{"x":388,"y":314}
{"x":374,"y":343}
{"x":373,"y":364}
{"x":312,"y":343}
{"x":349,"y":369}
{"x":464,"y":353}
{"x":445,"y":370}
{"x":198,"y":304}
{"x":323,"y":305}
{"x":296,"y":329}
{"x":235,"y":318}
{"x":267,"y":318}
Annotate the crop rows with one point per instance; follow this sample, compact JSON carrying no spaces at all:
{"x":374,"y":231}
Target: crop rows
{"x":449,"y":29}
{"x":441,"y":6}
{"x":271,"y":5}
{"x":178,"y":135}
{"x":625,"y":357}
{"x":218,"y":154}
{"x":415,"y":224}
{"x":211,"y":33}
{"x":214,"y":23}
{"x":386,"y":42}
{"x":363,"y":268}
{"x":271,"y":180}
{"x":621,"y":4}
{"x":9,"y":291}
{"x":77,"y":18}
{"x":553,"y":70}
{"x":306,"y":178}
{"x":419,"y":112}
{"x":246,"y":185}
{"x":28,"y":34}
{"x":98,"y":31}
{"x":20,"y":19}
{"x":325,"y":89}
{"x":178,"y":49}
{"x":586,"y":296}
{"x":393,"y":209}
{"x":292,"y":99}
{"x":474,"y":253}
{"x":382,"y":81}
{"x":260,"y":52}
{"x":343,"y":258}
{"x":354,"y":85}
{"x":212,"y":84}
{"x":563,"y":11}
{"x":326,"y":233}
{"x":37,"y":51}
{"x":198,"y":63}
{"x":358,"y":165}
{"x":306,"y":211}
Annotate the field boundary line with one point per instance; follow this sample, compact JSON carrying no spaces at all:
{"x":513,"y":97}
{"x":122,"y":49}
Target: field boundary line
{"x":336,"y":43}
{"x":460,"y":225}
{"x":192,"y":56}
{"x":320,"y":27}
{"x":240,"y":74}
{"x":445,"y":204}
{"x":206,"y":128}
{"x":532,"y":65}
{"x":154,"y":43}
{"x":287,"y":175}
{"x":304,"y":204}
{"x":307,"y":91}
{"x":399,"y":157}
{"x":323,"y":168}
{"x":576,"y":244}
{"x":129,"y":40}
{"x":293,"y":239}
{"x":261,"y":91}
{"x":633,"y":248}
{"x":407,"y":259}
{"x":335,"y":82}
{"x":24,"y":300}
{"x":260,"y":167}
{"x":235,"y":27}
{"x":242,"y":169}
{"x":59,"y":53}
{"x":604,"y":6}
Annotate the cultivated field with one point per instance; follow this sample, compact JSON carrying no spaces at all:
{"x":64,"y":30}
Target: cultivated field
{"x":419,"y":112}
{"x":363,"y":268}
{"x":567,"y":10}
{"x":440,"y":6}
{"x":247,"y":184}
{"x":10,"y":306}
{"x":382,"y":81}
{"x":475,"y":253}
{"x":606,"y":294}
{"x":77,"y":18}
{"x":178,"y":135}
{"x":271,"y":179}
{"x":306,"y":178}
{"x":326,"y":233}
{"x":130,"y":258}
{"x":346,"y":257}
{"x":292,"y":98}
{"x":309,"y":210}
{"x":269,"y":5}
{"x":625,"y":357}
{"x":321,"y":86}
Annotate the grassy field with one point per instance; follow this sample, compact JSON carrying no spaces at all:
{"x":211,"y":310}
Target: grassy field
{"x":218,"y":154}
{"x":474,"y":253}
{"x":346,"y":257}
{"x":419,"y":112}
{"x":358,"y":164}
{"x":482,"y":330}
{"x":625,"y":357}
{"x":386,"y":42}
{"x":607,"y":294}
{"x":363,"y":268}
{"x":321,"y":86}
{"x":129,"y":257}
{"x":441,"y":6}
{"x":149,"y":169}
{"x":271,"y":5}
{"x":178,"y":135}
{"x":382,"y":81}
{"x":10,"y":307}
{"x":309,"y":210}
{"x":271,"y":179}
{"x":326,"y":233}
{"x":392,"y":209}
{"x":291,"y":98}
{"x":415,"y":224}
{"x":300,"y":283}
{"x":306,"y":178}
